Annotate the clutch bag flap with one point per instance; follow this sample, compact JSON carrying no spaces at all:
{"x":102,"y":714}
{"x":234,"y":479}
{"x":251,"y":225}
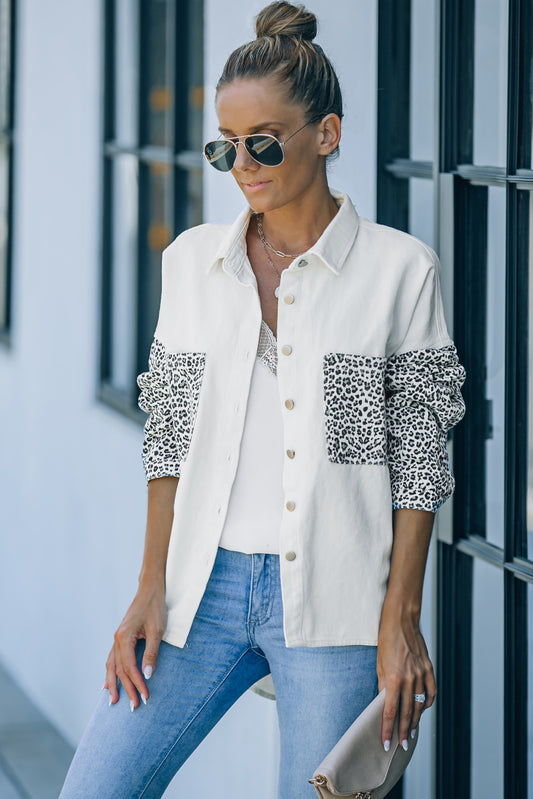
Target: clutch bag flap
{"x":358,"y":766}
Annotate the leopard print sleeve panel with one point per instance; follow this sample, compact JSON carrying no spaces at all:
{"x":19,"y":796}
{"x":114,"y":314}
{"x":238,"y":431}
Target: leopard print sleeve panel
{"x":423,"y":401}
{"x":170,"y":392}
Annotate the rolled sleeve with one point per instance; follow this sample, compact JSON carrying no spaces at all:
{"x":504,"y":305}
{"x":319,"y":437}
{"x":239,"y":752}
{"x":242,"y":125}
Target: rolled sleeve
{"x":423,"y":401}
{"x":160,"y":451}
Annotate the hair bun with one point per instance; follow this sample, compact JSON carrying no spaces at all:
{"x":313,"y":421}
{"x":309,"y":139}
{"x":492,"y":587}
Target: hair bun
{"x":286,"y":19}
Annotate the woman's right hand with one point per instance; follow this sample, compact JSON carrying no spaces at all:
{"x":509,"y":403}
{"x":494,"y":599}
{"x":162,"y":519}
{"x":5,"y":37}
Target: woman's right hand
{"x":145,"y":618}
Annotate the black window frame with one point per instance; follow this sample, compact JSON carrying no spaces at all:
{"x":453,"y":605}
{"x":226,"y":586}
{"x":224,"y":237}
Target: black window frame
{"x":187,"y":36}
{"x":470,"y":184}
{"x":7,"y":138}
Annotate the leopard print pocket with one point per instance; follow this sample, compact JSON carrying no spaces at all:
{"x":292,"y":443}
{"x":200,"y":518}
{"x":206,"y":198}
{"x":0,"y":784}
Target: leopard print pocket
{"x":354,"y":408}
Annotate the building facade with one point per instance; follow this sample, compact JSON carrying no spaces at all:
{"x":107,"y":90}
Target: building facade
{"x":104,"y":106}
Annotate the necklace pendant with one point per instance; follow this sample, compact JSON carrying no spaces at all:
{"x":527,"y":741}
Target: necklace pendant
{"x":276,"y":291}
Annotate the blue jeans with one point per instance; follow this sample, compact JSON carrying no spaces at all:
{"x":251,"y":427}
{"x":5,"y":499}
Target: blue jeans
{"x":236,"y":638}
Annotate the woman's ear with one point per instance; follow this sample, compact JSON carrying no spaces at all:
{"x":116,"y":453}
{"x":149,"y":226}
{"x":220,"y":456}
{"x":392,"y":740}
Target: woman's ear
{"x":329,"y":129}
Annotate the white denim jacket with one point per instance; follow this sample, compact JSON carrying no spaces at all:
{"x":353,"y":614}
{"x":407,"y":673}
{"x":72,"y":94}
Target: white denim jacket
{"x":368,"y":387}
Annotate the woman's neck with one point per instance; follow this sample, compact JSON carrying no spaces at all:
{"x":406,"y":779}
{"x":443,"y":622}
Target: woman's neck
{"x":294,"y":228}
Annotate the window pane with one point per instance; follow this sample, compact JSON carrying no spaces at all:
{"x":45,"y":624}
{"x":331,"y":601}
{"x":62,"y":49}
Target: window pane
{"x":5,"y":63}
{"x":490,"y":82}
{"x":422,"y":80}
{"x":530,"y":393}
{"x":158,"y":93}
{"x":421,"y":209}
{"x":123,"y":271}
{"x":530,"y":693}
{"x":487,"y":682}
{"x":4,"y":232}
{"x":194,"y":134}
{"x":126,"y":72}
{"x":495,"y":359}
{"x":157,"y":232}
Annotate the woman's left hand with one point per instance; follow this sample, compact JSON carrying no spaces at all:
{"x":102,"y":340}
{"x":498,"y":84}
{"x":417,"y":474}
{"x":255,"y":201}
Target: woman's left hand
{"x":405,"y":671}
{"x":403,"y":664}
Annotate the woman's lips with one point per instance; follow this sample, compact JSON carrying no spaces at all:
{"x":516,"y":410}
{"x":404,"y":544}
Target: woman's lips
{"x":256,"y":186}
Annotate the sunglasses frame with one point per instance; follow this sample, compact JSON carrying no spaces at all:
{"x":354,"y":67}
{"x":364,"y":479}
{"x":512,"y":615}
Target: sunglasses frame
{"x":242,"y":139}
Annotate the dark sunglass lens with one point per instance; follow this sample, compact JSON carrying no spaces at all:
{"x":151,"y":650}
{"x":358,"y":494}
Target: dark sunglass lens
{"x":265,"y":149}
{"x":220,"y":154}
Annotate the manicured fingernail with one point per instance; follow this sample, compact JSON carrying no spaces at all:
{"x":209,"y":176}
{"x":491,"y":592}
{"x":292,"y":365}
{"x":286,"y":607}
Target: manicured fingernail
{"x":405,"y":745}
{"x":148,"y":671}
{"x":144,"y":699}
{"x":386,"y":746}
{"x":132,"y":706}
{"x":110,"y":700}
{"x":103,"y":687}
{"x":413,"y":733}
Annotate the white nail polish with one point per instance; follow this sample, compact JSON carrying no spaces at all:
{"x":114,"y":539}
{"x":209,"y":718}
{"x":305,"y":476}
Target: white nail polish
{"x":110,"y":700}
{"x":132,"y":706}
{"x":148,"y":671}
{"x":386,"y":746}
{"x":144,"y":699}
{"x":405,"y":745}
{"x":413,"y":733}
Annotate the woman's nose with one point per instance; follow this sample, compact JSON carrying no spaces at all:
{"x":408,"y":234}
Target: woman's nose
{"x":243,"y":159}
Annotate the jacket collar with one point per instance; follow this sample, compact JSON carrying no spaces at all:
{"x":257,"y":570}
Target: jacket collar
{"x":331,"y":248}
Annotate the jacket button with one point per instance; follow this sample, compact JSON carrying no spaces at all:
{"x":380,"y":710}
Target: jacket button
{"x":289,"y":404}
{"x":290,"y":453}
{"x":288,"y":299}
{"x":303,"y":262}
{"x":286,"y":349}
{"x":290,"y":505}
{"x":290,"y":556}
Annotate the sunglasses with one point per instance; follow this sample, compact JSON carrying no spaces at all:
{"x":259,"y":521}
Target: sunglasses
{"x":263,"y":147}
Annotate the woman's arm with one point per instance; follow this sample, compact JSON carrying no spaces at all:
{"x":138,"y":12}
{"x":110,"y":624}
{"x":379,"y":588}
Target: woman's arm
{"x":403,"y":664}
{"x":146,"y":616}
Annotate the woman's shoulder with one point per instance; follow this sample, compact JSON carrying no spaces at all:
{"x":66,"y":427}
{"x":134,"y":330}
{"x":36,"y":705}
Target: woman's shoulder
{"x":200,"y":238}
{"x":397,"y":244}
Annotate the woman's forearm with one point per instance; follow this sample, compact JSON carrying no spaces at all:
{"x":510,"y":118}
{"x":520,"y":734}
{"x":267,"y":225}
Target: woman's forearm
{"x":403,"y":664}
{"x":160,"y":514}
{"x":412,"y":536}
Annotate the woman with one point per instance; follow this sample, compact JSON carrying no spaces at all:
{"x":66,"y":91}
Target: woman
{"x":300,"y":387}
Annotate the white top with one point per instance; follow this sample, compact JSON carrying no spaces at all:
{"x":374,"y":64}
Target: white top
{"x":255,"y":506}
{"x":368,"y":385}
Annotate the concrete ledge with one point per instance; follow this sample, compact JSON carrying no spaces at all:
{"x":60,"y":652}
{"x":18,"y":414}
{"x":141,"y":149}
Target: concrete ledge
{"x":34,"y":757}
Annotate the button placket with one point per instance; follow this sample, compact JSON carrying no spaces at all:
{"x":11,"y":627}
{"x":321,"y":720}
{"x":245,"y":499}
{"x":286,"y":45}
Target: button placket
{"x":287,"y":333}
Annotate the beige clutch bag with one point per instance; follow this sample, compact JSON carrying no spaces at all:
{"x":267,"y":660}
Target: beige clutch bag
{"x":358,"y":767}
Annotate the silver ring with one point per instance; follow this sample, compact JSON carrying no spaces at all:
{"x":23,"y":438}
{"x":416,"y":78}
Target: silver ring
{"x":420,"y":698}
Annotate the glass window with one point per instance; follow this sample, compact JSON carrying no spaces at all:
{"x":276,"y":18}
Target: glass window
{"x":123,"y":277}
{"x":530,"y":693}
{"x":421,"y":209}
{"x":422,"y":80}
{"x":125,"y":116}
{"x":487,"y":682}
{"x":6,"y":123}
{"x":490,"y":82}
{"x":158,"y":72}
{"x":152,"y":171}
{"x":495,"y":361}
{"x":530,"y":393}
